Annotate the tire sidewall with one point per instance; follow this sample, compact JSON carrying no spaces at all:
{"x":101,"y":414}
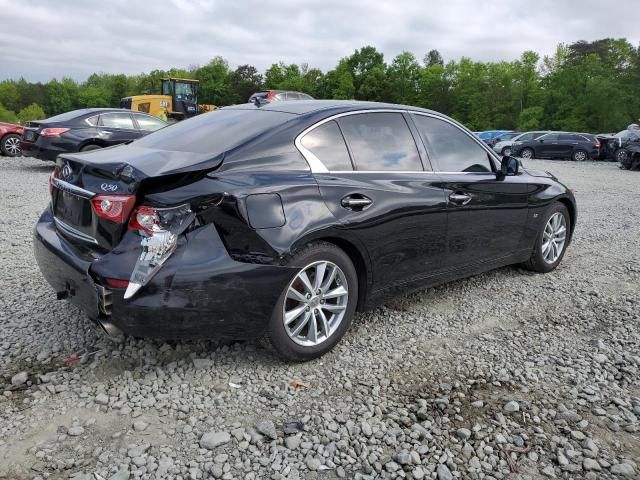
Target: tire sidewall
{"x":90,"y":148}
{"x":537,"y":257}
{"x":532,"y":154}
{"x":276,"y":332}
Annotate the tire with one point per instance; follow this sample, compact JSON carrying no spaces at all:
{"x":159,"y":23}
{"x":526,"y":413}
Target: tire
{"x":620,"y":155}
{"x":579,"y":156}
{"x":10,"y":145}
{"x":527,"y":153}
{"x":90,"y":147}
{"x":299,"y":346}
{"x":506,"y":152}
{"x":537,"y":262}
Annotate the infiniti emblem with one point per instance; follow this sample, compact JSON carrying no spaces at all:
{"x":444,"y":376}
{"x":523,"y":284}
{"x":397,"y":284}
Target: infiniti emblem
{"x":66,"y":170}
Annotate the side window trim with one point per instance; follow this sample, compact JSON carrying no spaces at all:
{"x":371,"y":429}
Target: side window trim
{"x":316,"y":165}
{"x":491,"y":155}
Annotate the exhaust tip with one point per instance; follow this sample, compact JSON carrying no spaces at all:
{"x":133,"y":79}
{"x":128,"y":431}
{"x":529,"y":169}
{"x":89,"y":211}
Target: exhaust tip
{"x":110,"y":329}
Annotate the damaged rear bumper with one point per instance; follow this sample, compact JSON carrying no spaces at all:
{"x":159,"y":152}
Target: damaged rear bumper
{"x":200,"y":292}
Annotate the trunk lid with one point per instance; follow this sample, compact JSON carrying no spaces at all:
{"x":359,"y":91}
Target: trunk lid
{"x":80,"y":178}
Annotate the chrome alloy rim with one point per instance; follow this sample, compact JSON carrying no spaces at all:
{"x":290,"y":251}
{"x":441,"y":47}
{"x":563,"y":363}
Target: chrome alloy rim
{"x":315,"y":304}
{"x":580,"y":156}
{"x":12,"y":145}
{"x":554,"y":238}
{"x":526,"y":153}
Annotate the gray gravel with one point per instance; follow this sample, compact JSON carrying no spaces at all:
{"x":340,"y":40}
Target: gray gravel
{"x":505,"y":375}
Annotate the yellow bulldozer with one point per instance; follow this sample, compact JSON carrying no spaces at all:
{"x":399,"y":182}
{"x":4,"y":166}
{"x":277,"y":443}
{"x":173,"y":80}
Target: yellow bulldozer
{"x":178,"y":99}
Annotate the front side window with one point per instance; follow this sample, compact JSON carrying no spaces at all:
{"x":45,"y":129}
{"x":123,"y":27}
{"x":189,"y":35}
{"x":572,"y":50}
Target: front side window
{"x":380,"y":142}
{"x":185,"y":91}
{"x":149,"y":123}
{"x":116,"y":120}
{"x":453,"y":149}
{"x":327,"y":144}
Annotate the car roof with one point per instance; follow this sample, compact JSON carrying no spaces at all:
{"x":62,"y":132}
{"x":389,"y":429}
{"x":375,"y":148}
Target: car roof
{"x":303,"y":107}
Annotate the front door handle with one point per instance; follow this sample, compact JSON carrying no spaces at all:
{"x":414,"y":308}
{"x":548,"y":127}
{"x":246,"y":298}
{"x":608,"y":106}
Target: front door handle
{"x":460,"y":198}
{"x":356,"y":202}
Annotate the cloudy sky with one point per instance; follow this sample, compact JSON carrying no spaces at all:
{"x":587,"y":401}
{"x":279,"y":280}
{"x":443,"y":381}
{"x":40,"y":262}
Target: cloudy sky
{"x":41,"y":39}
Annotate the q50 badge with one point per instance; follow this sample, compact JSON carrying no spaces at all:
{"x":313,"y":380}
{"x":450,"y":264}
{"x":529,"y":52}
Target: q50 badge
{"x":109,"y":187}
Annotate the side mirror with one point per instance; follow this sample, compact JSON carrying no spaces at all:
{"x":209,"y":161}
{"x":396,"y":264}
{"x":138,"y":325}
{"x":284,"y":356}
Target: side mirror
{"x":509,"y":166}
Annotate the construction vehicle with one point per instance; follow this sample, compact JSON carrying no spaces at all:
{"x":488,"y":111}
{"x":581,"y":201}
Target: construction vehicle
{"x":178,"y":99}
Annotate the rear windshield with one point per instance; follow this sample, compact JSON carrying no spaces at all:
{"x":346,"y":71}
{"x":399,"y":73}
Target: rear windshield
{"x":63,"y":117}
{"x":214,"y":132}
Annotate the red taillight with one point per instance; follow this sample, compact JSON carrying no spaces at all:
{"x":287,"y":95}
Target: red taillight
{"x":115,"y":208}
{"x":116,"y":283}
{"x":596,"y":144}
{"x":52,"y":132}
{"x":144,"y":218}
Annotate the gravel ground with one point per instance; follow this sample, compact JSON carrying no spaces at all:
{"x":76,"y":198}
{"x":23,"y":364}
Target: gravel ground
{"x":504,"y":375}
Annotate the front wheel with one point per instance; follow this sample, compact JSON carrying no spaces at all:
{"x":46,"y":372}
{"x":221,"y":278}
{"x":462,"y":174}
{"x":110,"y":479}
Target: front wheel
{"x":552,"y":240}
{"x":526,"y":153}
{"x":506,"y":152}
{"x":10,"y":145}
{"x":621,"y":155}
{"x":316,"y":308}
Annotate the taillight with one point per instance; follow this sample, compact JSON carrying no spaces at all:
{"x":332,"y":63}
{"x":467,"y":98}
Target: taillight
{"x":115,"y":208}
{"x":596,"y":144}
{"x":53,"y":132}
{"x":159,"y":228}
{"x":116,"y":283}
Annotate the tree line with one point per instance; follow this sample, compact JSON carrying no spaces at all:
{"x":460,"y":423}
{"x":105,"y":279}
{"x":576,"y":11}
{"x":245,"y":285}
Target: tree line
{"x":583,"y":86}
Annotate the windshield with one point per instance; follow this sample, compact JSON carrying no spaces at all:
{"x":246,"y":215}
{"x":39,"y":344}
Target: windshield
{"x":215,"y":132}
{"x":63,"y":117}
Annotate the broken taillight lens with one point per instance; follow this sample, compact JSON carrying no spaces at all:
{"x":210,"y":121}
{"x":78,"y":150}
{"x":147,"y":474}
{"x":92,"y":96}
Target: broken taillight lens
{"x":159,"y":228}
{"x":115,"y":208}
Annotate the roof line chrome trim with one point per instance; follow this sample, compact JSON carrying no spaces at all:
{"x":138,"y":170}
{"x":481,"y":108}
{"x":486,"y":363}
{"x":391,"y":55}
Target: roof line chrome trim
{"x":72,"y":232}
{"x":317,"y":166}
{"x":69,"y":188}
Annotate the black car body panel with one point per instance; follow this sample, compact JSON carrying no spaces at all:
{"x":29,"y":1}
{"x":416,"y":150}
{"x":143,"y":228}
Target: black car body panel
{"x":257,"y":196}
{"x":95,"y":127}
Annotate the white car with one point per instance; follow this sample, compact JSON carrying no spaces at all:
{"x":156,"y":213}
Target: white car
{"x":504,"y":147}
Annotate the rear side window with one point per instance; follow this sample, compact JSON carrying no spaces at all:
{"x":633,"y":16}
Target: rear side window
{"x":149,"y":123}
{"x":551,"y":137}
{"x":92,"y":120}
{"x":116,"y":120}
{"x":327,"y":144}
{"x":381,"y":142}
{"x":453,"y":149}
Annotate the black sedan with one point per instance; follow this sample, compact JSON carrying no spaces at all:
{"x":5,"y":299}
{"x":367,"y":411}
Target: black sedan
{"x":575,"y":146}
{"x":84,"y":130}
{"x":283,"y":220}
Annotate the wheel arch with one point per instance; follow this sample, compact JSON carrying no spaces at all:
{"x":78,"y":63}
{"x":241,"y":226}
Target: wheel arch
{"x":573,"y":214}
{"x":91,"y":141}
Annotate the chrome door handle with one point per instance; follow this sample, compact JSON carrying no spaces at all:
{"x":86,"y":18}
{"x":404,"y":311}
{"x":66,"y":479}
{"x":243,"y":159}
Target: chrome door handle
{"x":460,"y":198}
{"x":105,"y":133}
{"x":355,"y":202}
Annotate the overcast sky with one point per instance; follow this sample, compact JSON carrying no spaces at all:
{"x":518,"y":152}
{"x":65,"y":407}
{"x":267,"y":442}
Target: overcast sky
{"x":41,"y":39}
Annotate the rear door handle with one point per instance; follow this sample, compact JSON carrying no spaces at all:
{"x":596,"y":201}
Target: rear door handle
{"x":356,"y":202}
{"x":460,"y":198}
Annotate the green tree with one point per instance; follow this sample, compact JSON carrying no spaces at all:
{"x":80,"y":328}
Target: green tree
{"x":404,"y":73}
{"x":31,"y":112}
{"x":433,"y":58}
{"x":7,"y":115}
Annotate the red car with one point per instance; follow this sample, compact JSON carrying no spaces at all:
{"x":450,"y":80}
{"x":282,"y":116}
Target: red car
{"x":10,"y":135}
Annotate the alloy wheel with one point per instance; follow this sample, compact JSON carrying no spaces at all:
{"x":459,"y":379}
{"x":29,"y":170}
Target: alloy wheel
{"x":554,"y":238}
{"x":526,"y":153}
{"x":12,"y":145}
{"x":315,"y":303}
{"x":621,"y":155}
{"x":580,"y":156}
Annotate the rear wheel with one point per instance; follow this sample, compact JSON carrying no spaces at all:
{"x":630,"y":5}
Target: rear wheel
{"x":88,"y":148}
{"x":579,"y":156}
{"x":316,"y":308}
{"x":526,"y":153}
{"x":10,"y":145}
{"x":552,"y":240}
